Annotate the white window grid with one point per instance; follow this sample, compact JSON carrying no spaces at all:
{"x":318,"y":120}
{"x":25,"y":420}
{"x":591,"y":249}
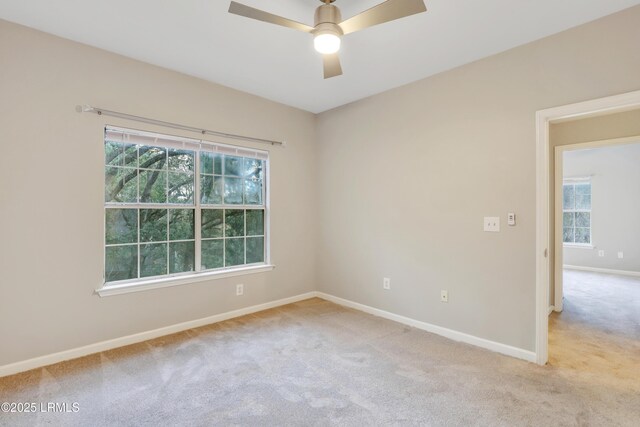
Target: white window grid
{"x":197,"y":207}
{"x":573,"y":182}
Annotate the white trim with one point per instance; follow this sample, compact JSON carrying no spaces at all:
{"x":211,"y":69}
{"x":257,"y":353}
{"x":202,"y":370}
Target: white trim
{"x":577,"y":246}
{"x":438,"y":330}
{"x":551,"y":309}
{"x":50,"y":359}
{"x":165,"y":282}
{"x":75,"y":353}
{"x":617,"y":103}
{"x":558,"y":218}
{"x":575,"y":179}
{"x":600,"y":144}
{"x":603,"y":270}
{"x":542,"y":237}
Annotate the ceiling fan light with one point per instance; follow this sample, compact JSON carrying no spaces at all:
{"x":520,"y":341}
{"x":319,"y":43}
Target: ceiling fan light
{"x":326,"y":43}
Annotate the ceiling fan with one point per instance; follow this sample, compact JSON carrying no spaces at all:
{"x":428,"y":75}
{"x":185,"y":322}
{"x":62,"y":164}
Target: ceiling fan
{"x":329,"y":27}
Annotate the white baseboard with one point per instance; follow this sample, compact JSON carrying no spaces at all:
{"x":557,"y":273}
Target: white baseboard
{"x":602,"y":270}
{"x":50,"y":359}
{"x":508,"y":350}
{"x":551,"y":308}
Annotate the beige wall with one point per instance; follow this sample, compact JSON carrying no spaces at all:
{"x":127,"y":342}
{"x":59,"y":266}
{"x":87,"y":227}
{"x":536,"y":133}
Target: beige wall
{"x":609,"y":126}
{"x":615,"y":205}
{"x":408,"y":175}
{"x":51,"y":191}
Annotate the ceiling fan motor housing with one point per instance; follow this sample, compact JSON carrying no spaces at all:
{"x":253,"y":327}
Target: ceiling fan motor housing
{"x":326,"y":20}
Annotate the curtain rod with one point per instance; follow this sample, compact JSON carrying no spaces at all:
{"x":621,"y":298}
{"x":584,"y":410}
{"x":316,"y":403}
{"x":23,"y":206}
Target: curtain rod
{"x":104,"y":112}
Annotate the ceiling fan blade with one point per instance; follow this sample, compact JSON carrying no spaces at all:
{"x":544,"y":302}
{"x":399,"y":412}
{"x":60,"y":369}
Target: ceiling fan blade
{"x":388,"y":11}
{"x":332,"y":67}
{"x":260,"y":15}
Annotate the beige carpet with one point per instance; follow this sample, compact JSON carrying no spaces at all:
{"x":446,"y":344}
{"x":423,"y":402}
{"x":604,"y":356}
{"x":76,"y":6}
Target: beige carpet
{"x":597,"y":335}
{"x":314,"y":363}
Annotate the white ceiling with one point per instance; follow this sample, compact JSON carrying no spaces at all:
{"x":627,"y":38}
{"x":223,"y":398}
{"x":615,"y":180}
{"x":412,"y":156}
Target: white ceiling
{"x":199,"y":38}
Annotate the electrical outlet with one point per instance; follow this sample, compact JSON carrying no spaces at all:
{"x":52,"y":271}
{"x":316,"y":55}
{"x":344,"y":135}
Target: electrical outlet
{"x":620,"y":255}
{"x":444,"y":296}
{"x":386,"y":283}
{"x":239,"y":290}
{"x":600,"y":252}
{"x":492,"y":224}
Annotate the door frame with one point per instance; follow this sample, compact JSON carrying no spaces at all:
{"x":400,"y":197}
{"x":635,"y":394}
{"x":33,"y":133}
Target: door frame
{"x":611,"y":104}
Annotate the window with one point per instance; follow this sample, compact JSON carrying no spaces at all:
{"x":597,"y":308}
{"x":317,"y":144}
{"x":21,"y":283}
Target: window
{"x":177,"y":206}
{"x":576,"y":206}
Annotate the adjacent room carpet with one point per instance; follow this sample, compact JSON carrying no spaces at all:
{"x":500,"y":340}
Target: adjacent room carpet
{"x":597,"y":335}
{"x":315,"y":363}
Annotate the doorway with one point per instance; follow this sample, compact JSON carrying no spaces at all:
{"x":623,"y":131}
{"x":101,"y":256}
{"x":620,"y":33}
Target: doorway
{"x":611,"y":166}
{"x":595,"y":328}
{"x":544,"y":203}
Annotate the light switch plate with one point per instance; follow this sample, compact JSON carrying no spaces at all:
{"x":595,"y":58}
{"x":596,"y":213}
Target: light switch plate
{"x":444,"y":296}
{"x":511,"y":219}
{"x":492,"y":224}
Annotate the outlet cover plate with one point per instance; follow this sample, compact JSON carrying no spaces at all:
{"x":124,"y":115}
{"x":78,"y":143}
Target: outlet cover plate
{"x":492,"y":224}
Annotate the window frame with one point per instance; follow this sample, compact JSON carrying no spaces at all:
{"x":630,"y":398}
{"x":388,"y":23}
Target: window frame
{"x":574,"y":182}
{"x":198,"y":275}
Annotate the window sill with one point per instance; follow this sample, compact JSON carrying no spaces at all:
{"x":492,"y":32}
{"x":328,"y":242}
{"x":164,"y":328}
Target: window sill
{"x":578,"y":246}
{"x":165,"y":282}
